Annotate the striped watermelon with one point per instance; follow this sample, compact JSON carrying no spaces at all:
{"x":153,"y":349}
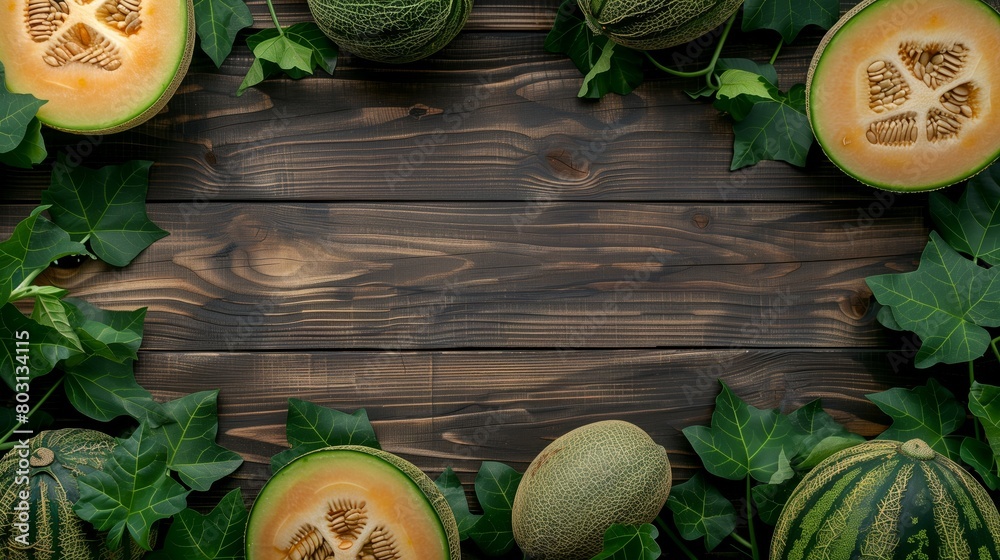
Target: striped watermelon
{"x":656,"y":24}
{"x":53,"y":461}
{"x":886,"y":500}
{"x":394,"y":31}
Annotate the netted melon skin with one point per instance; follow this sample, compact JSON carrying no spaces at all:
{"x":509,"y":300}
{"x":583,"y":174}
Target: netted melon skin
{"x":391,"y":32}
{"x":57,"y":533}
{"x":583,"y":482}
{"x":885,"y":500}
{"x":656,"y":24}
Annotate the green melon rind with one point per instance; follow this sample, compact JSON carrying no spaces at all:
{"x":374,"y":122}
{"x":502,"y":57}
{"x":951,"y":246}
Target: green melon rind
{"x":830,"y":36}
{"x":663,"y":24}
{"x":875,"y":496}
{"x":64,"y":535}
{"x":143,"y":115}
{"x":431,"y":493}
{"x":601,"y":473}
{"x":391,"y":31}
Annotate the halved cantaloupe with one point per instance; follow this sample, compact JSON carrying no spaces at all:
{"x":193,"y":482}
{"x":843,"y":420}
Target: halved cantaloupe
{"x":361,"y":502}
{"x":905,"y":94}
{"x":102,"y":65}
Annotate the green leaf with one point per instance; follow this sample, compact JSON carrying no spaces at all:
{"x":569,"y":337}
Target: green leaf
{"x":496,"y":485}
{"x":764,"y":70}
{"x":980,"y":456}
{"x":114,"y":335}
{"x":215,"y":536}
{"x":774,"y":130}
{"x":972,"y":226}
{"x":744,"y":441}
{"x":453,"y":491}
{"x":295,"y":50}
{"x":770,"y":499}
{"x":630,"y":542}
{"x":106,"y":206}
{"x":947,"y":301}
{"x":103,"y":389}
{"x":788,"y":18}
{"x":45,"y":348}
{"x":218,"y":23}
{"x":822,"y":435}
{"x":739,"y":90}
{"x":133,"y":491}
{"x":193,"y":453}
{"x":310,"y":427}
{"x":984,"y":403}
{"x":700,"y":510}
{"x":33,"y":245}
{"x":30,"y":151}
{"x":928,"y":412}
{"x":324,"y":52}
{"x":52,"y":311}
{"x":16,"y":112}
{"x":620,"y":70}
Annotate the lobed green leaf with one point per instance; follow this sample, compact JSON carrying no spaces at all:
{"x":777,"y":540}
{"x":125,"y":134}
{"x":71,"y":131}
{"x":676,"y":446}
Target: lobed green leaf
{"x":133,"y":491}
{"x":218,"y":535}
{"x":701,"y":511}
{"x":496,"y":485}
{"x":310,"y":427}
{"x":630,"y":542}
{"x":928,"y":412}
{"x":453,"y":491}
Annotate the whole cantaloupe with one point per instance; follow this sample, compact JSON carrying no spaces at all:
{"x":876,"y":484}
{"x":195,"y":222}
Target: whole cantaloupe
{"x":583,"y":482}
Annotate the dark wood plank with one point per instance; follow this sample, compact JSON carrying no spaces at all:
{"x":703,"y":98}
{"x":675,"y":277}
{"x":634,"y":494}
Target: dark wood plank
{"x":470,"y":275}
{"x":456,"y":409}
{"x":495,"y":118}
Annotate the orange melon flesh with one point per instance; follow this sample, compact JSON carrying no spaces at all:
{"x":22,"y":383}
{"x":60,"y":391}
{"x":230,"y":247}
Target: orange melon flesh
{"x":841,"y":92}
{"x":95,"y":96}
{"x":299,"y":500}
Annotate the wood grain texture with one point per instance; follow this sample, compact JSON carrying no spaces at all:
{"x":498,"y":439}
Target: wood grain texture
{"x":474,"y":275}
{"x":457,"y":409}
{"x":496,"y":118}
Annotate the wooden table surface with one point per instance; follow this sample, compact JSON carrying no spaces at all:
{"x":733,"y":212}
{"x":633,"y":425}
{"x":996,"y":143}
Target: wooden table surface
{"x":484,"y":261}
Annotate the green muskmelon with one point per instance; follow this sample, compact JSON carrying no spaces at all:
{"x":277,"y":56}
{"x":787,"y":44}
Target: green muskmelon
{"x":351,"y":503}
{"x":102,"y":65}
{"x":394,"y":31}
{"x":583,"y":482}
{"x":885,"y":500}
{"x":37,"y":521}
{"x":905,"y":95}
{"x":656,"y":24}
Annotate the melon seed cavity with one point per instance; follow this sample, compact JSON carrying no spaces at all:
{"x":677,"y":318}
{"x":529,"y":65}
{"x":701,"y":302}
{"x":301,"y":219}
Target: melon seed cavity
{"x":81,"y":43}
{"x":930,"y":66}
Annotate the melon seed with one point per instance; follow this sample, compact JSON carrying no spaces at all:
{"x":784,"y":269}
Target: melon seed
{"x":967,"y":111}
{"x":876,"y":66}
{"x":937,"y":59}
{"x":924,"y":58}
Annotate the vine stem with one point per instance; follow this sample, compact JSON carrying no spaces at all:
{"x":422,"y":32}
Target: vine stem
{"x":673,"y":537}
{"x":774,"y":56}
{"x":4,"y":444}
{"x":274,"y":18}
{"x":972,"y":379}
{"x":736,"y":537}
{"x":993,"y":344}
{"x":753,"y":534}
{"x":711,"y":64}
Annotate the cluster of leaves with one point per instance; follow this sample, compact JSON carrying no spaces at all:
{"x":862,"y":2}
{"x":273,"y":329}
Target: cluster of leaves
{"x":21,"y":143}
{"x":769,"y":452}
{"x":295,"y":50}
{"x":101,"y":214}
{"x":768,"y":124}
{"x":949,"y":302}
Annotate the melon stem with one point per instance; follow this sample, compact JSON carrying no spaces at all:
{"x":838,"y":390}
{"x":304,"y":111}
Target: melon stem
{"x":711,"y":63}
